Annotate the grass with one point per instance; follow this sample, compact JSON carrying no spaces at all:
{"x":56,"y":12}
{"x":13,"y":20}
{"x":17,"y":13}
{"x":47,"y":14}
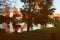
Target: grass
{"x":57,"y":23}
{"x":42,"y":34}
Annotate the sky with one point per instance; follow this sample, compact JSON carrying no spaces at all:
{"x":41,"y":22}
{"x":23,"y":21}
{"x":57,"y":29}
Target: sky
{"x":56,"y":4}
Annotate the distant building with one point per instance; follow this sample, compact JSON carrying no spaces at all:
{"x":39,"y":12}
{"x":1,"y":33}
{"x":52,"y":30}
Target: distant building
{"x":55,"y":17}
{"x":2,"y":7}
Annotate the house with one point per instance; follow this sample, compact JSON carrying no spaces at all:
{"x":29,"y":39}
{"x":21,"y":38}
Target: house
{"x":55,"y":17}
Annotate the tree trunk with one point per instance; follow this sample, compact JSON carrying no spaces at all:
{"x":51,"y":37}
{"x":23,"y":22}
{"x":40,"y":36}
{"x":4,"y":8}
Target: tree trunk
{"x":29,"y":25}
{"x":44,"y":26}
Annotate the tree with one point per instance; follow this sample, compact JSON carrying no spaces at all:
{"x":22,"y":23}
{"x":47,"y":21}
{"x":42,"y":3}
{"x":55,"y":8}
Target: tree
{"x":37,"y":11}
{"x":7,"y":8}
{"x":17,"y":18}
{"x":45,"y":11}
{"x":2,"y":19}
{"x":8,"y":19}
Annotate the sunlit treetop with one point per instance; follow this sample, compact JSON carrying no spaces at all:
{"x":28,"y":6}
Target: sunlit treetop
{"x":15,"y":10}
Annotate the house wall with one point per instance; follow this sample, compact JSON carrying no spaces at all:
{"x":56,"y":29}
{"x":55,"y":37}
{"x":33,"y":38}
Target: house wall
{"x":55,"y":17}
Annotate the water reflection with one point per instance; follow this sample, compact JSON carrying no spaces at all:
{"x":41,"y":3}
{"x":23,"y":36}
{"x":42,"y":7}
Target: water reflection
{"x":9,"y":27}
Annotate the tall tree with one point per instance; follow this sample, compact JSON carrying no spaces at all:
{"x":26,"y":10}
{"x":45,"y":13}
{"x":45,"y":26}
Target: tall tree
{"x":37,"y":11}
{"x":46,"y":10}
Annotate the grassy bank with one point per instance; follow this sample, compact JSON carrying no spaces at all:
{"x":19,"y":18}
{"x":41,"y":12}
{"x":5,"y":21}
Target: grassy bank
{"x":42,"y":34}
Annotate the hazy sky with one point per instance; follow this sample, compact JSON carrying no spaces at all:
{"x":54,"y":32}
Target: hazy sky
{"x":56,"y":4}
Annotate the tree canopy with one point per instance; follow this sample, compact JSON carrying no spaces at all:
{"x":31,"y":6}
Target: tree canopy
{"x":37,"y":11}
